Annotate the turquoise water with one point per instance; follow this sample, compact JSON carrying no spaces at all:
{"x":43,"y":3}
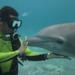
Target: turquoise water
{"x":35,"y":15}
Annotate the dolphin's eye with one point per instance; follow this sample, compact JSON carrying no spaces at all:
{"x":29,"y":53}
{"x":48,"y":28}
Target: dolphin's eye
{"x":60,"y":41}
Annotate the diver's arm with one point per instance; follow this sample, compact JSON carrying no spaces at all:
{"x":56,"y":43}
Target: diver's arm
{"x":27,"y":54}
{"x":36,"y":56}
{"x":8,"y":55}
{"x":33,"y":56}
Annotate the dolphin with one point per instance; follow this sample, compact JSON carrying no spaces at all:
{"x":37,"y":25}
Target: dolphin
{"x":59,"y":38}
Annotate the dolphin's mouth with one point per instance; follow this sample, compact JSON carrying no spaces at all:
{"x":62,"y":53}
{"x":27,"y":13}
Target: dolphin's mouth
{"x":49,"y":46}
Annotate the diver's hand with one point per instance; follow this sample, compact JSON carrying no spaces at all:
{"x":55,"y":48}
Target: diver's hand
{"x":23,"y":46}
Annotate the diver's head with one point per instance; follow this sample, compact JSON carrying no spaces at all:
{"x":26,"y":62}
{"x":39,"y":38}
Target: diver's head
{"x":9,"y":16}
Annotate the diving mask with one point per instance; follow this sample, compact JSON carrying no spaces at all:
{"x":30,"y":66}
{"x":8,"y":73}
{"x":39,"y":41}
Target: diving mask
{"x":16,"y":24}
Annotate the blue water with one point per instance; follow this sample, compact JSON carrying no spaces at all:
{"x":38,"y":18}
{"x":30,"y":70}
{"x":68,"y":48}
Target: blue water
{"x":35,"y":15}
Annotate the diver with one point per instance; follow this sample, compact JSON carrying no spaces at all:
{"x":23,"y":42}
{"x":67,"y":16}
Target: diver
{"x":11,"y":47}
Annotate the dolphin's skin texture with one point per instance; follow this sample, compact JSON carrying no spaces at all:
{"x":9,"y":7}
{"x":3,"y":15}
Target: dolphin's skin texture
{"x":58,"y":38}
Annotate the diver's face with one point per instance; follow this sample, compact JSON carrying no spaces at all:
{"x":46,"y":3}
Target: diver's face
{"x":12,"y":24}
{"x":6,"y":28}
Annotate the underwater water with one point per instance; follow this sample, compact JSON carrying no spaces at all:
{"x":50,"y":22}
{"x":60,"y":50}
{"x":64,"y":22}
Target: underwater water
{"x":35,"y":15}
